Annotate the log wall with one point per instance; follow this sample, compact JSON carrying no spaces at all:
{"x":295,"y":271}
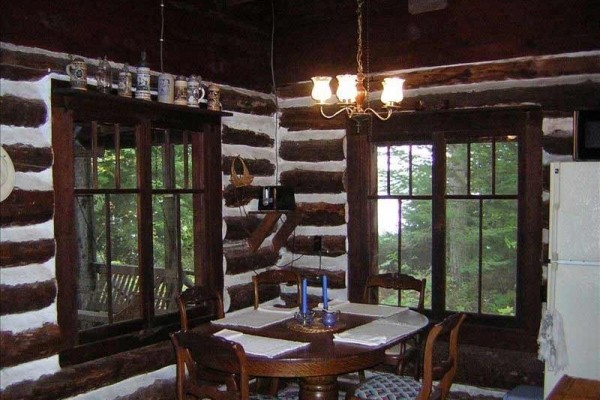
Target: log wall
{"x":30,"y":335}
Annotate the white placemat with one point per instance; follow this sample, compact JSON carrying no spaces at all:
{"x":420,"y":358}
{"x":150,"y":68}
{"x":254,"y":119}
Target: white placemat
{"x":259,"y":345}
{"x":251,"y":318}
{"x":374,"y":333}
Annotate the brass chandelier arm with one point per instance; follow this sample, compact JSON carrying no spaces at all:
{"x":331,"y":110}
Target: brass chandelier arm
{"x":383,"y":118}
{"x":348,"y":110}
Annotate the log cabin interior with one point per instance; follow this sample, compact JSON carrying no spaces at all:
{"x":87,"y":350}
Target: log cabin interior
{"x":479,"y":76}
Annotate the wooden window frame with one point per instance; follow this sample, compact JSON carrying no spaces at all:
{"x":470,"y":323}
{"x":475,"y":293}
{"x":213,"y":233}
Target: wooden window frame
{"x":205,"y":127}
{"x":519,"y":332}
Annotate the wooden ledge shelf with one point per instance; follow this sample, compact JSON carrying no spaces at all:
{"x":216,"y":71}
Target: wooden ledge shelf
{"x":266,"y":227}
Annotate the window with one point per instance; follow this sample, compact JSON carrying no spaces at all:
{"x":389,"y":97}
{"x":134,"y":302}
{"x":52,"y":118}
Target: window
{"x":453,"y":197}
{"x":138,"y":217}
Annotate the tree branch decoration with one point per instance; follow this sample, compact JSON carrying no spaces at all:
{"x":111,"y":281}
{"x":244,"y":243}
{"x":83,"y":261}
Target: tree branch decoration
{"x":240,"y":180}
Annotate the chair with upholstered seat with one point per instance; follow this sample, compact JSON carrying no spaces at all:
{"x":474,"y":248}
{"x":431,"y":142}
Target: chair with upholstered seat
{"x":385,"y":385}
{"x":193,"y":299}
{"x":407,"y":351}
{"x":217,"y":368}
{"x":275,"y":277}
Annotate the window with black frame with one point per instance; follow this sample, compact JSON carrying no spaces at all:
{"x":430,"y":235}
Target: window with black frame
{"x":479,"y":212}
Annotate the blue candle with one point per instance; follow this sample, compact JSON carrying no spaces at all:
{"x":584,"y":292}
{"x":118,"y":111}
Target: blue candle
{"x":325,"y":305}
{"x":304,"y":305}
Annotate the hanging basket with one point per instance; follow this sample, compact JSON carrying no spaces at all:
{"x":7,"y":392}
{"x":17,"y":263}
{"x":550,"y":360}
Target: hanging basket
{"x":240,"y":180}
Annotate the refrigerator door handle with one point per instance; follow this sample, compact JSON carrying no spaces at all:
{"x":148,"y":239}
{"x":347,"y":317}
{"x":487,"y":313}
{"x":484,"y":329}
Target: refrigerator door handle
{"x":555,"y":192}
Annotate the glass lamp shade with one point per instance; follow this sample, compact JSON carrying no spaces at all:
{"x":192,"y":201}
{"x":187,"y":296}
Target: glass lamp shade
{"x":392,"y":91}
{"x":321,"y":90}
{"x":346,"y":92}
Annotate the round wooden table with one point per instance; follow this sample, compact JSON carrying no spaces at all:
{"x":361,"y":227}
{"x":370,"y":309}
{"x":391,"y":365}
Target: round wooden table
{"x":318,"y":364}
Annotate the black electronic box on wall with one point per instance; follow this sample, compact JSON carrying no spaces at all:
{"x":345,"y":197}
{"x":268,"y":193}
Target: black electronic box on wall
{"x":586,"y":135}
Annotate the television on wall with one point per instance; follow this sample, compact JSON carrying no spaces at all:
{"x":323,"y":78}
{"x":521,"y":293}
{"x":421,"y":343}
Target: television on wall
{"x":586,"y":135}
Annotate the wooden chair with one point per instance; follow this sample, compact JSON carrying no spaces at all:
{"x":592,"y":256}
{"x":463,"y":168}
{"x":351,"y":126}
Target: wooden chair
{"x":217,"y":368}
{"x":275,"y":276}
{"x":197,"y":296}
{"x":386,"y":385}
{"x":408,"y":351}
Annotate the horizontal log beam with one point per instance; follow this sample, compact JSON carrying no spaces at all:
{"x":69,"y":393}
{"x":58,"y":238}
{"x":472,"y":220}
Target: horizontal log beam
{"x":240,"y":260}
{"x":559,"y":145}
{"x":242,"y":296}
{"x":14,"y":254}
{"x":245,"y":137}
{"x":239,"y":228}
{"x":260,"y":167}
{"x":304,"y":181}
{"x":297,"y":119}
{"x":527,"y":68}
{"x":335,"y":279}
{"x":332,"y":246}
{"x":19,"y":73}
{"x":322,"y":214}
{"x":312,"y":150}
{"x":241,"y":196}
{"x":29,"y":158}
{"x":26,"y":297}
{"x":85,"y":377}
{"x":18,"y":111}
{"x":23,"y":207}
{"x":29,"y":345}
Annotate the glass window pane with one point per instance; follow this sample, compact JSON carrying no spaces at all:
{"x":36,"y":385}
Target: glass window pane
{"x":399,"y":169}
{"x":382,"y":170}
{"x":481,"y":168}
{"x":128,"y":159}
{"x":507,"y":167}
{"x":456,"y":168}
{"x":462,"y":255}
{"x":387,"y":224}
{"x":499,"y":257}
{"x":415,"y":258}
{"x":422,"y":161}
{"x":173,"y":248}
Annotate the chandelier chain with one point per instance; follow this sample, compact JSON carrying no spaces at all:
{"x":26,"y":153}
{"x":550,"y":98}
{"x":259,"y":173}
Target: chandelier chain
{"x":359,"y":36}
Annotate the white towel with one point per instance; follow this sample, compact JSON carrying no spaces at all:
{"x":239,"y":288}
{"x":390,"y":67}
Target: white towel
{"x":259,"y":345}
{"x":251,"y":318}
{"x":374,"y":333}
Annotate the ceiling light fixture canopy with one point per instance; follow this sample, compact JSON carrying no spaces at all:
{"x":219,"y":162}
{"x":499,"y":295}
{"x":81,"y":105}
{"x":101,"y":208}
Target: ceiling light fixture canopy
{"x":351,"y":92}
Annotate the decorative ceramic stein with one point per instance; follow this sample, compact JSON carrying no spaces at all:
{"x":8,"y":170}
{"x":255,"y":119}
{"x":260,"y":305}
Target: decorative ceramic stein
{"x":213,"y":101}
{"x":104,"y":76}
{"x":142,"y":87}
{"x":77,"y":71}
{"x":166,"y":88}
{"x":181,"y":91}
{"x":125,"y":81}
{"x":195,"y":91}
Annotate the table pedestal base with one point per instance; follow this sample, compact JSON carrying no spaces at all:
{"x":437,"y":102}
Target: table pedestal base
{"x":319,"y":388}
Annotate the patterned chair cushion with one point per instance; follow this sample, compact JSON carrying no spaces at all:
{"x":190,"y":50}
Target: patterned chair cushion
{"x":388,"y":387}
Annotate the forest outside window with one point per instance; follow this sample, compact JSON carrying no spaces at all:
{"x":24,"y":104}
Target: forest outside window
{"x":107,"y":222}
{"x":480,"y":214}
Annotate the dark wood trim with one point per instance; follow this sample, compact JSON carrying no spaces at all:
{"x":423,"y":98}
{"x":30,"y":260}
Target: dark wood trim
{"x":438,"y":239}
{"x":64,"y":229}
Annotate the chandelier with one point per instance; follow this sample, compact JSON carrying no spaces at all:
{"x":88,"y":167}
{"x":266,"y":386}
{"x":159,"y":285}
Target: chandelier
{"x":351,"y":93}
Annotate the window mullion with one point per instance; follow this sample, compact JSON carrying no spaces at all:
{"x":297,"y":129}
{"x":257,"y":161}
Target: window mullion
{"x":438,"y":220}
{"x":480,"y":259}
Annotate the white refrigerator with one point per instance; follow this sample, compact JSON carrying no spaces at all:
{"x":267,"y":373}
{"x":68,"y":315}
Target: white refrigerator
{"x":574,"y":269}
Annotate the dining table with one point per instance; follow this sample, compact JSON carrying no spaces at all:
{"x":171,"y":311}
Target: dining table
{"x":278,"y":344}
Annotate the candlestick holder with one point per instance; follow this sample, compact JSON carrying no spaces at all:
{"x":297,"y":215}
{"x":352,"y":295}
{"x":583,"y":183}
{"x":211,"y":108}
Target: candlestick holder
{"x":305,"y":318}
{"x":330,"y":318}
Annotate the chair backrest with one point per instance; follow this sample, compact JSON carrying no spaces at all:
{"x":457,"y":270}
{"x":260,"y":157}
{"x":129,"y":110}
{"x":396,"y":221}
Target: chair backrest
{"x":211,"y":362}
{"x":195,"y":296}
{"x":275,"y":276}
{"x":441,"y":369}
{"x":397,"y":282}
